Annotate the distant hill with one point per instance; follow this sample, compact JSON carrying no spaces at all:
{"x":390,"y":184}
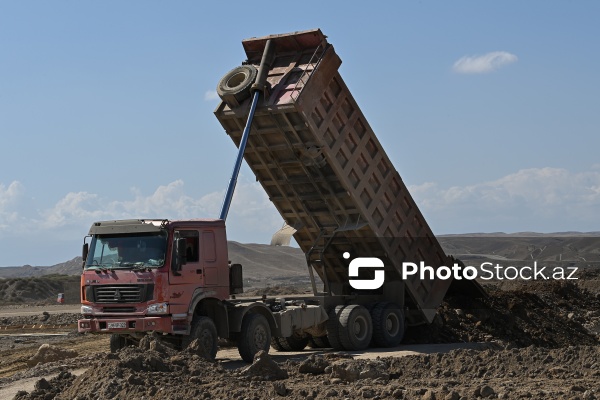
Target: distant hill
{"x":576,"y":247}
{"x":266,"y":264}
{"x":71,"y":267}
{"x":261,"y":262}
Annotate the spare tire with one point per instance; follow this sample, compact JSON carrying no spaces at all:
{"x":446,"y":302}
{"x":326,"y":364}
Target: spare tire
{"x":234,"y":86}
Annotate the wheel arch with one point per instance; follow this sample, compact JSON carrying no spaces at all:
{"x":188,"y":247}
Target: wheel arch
{"x":214,"y":309}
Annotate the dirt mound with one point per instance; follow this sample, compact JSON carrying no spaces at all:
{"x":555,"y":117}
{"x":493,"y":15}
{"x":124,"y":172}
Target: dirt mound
{"x":48,"y":353}
{"x":547,"y":314}
{"x":532,"y":372}
{"x":48,"y":389}
{"x":44,"y":318}
{"x":133,"y":373}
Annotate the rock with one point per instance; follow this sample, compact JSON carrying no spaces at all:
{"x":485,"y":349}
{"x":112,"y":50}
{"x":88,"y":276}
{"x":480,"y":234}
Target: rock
{"x":280,"y":388}
{"x":196,"y":347}
{"x":429,"y":395}
{"x":348,"y":372}
{"x":152,"y":342}
{"x":460,"y":312}
{"x":367,"y":393}
{"x":452,"y":396}
{"x":486,"y":391}
{"x":374,"y":370}
{"x":589,"y":395}
{"x":42,"y":384}
{"x":264,"y":368}
{"x":48,"y":353}
{"x":313,"y":365}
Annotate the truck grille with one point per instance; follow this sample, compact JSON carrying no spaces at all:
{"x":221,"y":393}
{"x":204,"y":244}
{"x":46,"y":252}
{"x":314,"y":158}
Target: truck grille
{"x":122,"y":293}
{"x":118,"y":309}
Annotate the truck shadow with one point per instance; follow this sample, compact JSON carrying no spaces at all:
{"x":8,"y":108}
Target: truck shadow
{"x":230,"y":359}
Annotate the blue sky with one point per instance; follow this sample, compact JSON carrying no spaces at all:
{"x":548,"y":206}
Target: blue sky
{"x":489,"y":111}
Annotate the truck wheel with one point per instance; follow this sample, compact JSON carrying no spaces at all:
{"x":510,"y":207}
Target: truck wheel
{"x":388,"y":324}
{"x":319,"y":342}
{"x":117,"y":342}
{"x":204,"y":329}
{"x":356,"y":328}
{"x":255,"y":336}
{"x":333,"y":328}
{"x":234,"y":86}
{"x":292,"y":343}
{"x":276,"y":344}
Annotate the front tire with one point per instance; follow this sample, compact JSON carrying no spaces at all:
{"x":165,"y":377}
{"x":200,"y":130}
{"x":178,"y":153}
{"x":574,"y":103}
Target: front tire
{"x":255,"y":336}
{"x":204,"y":329}
{"x":117,"y":342}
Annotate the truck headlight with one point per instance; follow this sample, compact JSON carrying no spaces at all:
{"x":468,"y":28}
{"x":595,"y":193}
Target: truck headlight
{"x":86,"y":310}
{"x":158,"y":308}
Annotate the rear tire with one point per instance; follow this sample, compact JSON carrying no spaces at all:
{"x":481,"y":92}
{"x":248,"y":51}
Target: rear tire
{"x":203,"y":328}
{"x":255,"y":336}
{"x":356,"y":327}
{"x":319,"y":342}
{"x":276,"y":344}
{"x":333,"y":328}
{"x":388,"y":324}
{"x":291,"y":343}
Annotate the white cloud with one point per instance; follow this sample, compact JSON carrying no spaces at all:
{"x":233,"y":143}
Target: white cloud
{"x":542,"y":199}
{"x":536,"y":199}
{"x":479,"y":64}
{"x":250,"y":212}
{"x":60,"y":228}
{"x":9,"y":197}
{"x":211,"y":95}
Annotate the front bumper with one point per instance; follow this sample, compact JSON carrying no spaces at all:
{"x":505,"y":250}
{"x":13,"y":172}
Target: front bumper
{"x":132,"y":324}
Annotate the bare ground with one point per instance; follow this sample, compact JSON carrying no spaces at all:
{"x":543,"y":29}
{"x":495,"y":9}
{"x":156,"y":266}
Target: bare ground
{"x":534,"y":340}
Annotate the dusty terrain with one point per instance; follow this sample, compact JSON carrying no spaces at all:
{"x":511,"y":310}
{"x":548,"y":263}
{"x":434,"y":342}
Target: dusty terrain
{"x":527,"y":340}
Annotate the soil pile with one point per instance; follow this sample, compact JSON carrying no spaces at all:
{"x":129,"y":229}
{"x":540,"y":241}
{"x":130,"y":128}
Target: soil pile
{"x":532,"y":372}
{"x":548,"y":314}
{"x":45,"y":318}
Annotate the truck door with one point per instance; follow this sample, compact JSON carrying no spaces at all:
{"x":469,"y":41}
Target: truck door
{"x":191,"y":272}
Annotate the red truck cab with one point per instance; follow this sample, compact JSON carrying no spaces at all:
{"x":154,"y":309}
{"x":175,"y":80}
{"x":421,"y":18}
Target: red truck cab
{"x":149,"y":275}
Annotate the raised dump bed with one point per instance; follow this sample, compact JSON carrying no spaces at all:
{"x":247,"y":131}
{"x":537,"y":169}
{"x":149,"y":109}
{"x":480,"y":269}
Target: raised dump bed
{"x":318,"y":159}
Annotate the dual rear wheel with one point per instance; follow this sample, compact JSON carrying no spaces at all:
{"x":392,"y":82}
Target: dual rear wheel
{"x":353,"y":327}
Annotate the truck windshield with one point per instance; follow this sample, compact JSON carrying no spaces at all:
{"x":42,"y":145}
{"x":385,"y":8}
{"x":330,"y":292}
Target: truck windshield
{"x":140,"y":250}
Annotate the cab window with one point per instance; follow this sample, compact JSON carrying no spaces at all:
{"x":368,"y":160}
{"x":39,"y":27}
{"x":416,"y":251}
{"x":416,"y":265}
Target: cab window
{"x":192,"y":252}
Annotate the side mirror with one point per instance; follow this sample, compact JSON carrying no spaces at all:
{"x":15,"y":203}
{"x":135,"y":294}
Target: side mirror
{"x":179,"y":258}
{"x":84,"y":253}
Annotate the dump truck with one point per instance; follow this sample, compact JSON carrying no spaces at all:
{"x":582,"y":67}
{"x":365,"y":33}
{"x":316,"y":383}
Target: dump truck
{"x":311,"y":148}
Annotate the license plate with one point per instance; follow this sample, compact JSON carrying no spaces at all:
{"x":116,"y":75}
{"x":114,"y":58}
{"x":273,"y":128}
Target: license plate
{"x":117,"y":325}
